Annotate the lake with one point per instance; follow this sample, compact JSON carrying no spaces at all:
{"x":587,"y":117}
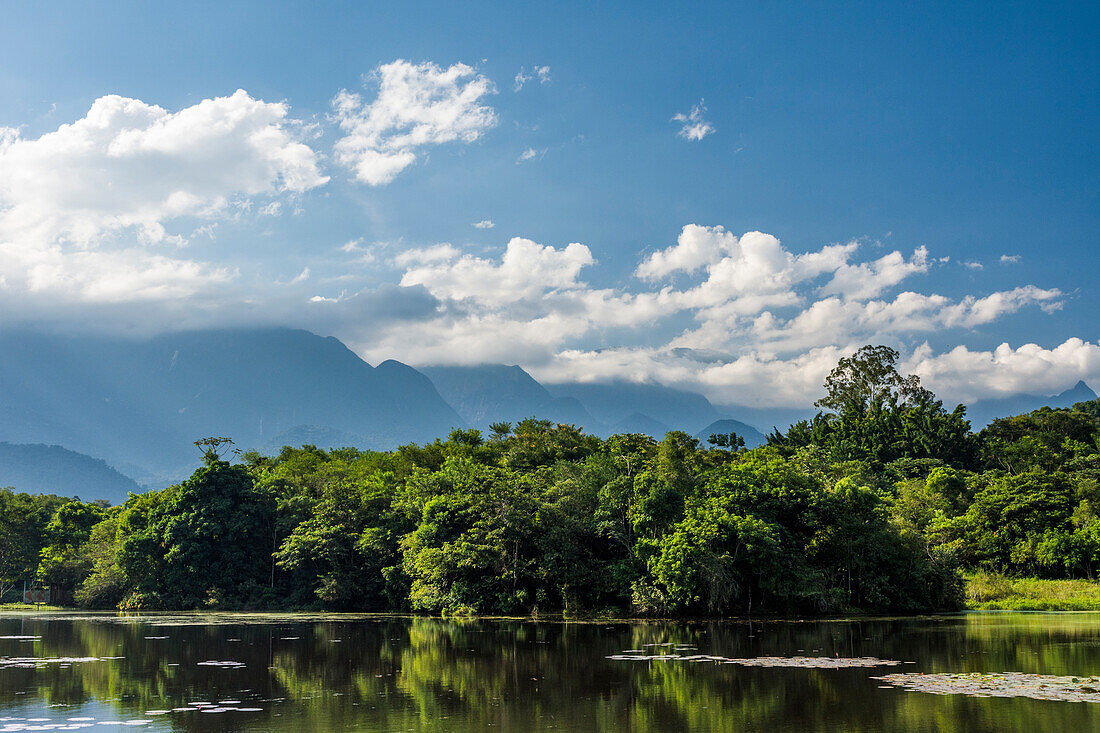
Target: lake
{"x":321,"y":672}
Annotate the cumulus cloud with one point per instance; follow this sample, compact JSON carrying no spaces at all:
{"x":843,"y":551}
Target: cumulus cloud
{"x":696,"y":247}
{"x":100,"y":214}
{"x":740,"y":318}
{"x":868,"y":279}
{"x":417,"y":106}
{"x":692,"y":124}
{"x":969,"y":375}
{"x":86,"y":210}
{"x":1009,"y":259}
{"x":526,"y":270}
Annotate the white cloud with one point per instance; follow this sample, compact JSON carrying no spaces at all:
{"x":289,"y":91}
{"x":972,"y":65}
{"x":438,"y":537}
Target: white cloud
{"x":426,"y":255}
{"x":971,"y":311}
{"x":484,"y":224}
{"x":418,"y":105}
{"x":868,"y":279}
{"x":542,"y":73}
{"x":97,"y":215}
{"x":1009,"y":259}
{"x":693,"y":126}
{"x":82,"y":207}
{"x":972,"y":265}
{"x":529,"y":154}
{"x":968,"y":375}
{"x":764,"y":331}
{"x":696,"y":247}
{"x":526,"y":270}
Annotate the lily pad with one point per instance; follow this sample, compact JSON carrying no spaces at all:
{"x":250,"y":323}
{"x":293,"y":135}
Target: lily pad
{"x":1003,"y":684}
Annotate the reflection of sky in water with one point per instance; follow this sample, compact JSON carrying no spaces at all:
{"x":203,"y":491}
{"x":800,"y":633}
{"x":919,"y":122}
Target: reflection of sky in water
{"x":330,"y":672}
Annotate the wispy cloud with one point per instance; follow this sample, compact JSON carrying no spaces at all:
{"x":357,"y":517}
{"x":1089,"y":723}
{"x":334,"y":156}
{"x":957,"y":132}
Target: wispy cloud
{"x":693,"y":126}
{"x":530,"y":154}
{"x":1009,"y":259}
{"x":484,"y":224}
{"x":542,"y":73}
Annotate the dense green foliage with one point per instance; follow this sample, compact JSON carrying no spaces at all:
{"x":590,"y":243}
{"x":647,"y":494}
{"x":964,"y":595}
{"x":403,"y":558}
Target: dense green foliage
{"x":874,"y":505}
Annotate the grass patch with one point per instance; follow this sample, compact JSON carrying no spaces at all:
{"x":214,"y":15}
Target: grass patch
{"x":29,"y":607}
{"x":989,"y":591}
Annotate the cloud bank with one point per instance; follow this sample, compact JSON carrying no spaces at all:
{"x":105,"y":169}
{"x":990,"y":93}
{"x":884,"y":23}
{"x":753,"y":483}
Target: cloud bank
{"x":740,"y":318}
{"x":98,"y":217}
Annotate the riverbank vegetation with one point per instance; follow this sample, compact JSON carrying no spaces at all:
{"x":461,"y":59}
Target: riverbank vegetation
{"x":996,"y":592}
{"x":877,"y":505}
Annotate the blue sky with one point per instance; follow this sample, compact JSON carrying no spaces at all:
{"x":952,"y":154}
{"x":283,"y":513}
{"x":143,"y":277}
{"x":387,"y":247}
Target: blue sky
{"x":844,"y":133}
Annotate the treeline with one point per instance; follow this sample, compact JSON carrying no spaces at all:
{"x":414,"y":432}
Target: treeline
{"x":876,"y":504}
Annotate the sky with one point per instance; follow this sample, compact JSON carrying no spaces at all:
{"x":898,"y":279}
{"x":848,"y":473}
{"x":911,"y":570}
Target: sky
{"x":716,"y":196}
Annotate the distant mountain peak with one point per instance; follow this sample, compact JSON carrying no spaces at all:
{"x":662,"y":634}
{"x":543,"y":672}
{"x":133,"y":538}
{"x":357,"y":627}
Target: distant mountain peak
{"x":1079,"y":392}
{"x":752,"y":436}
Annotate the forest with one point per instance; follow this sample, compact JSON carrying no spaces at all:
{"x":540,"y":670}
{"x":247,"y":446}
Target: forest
{"x":878,"y":504}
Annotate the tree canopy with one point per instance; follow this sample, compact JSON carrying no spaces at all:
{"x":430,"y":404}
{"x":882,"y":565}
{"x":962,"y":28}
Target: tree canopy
{"x":876,"y":504}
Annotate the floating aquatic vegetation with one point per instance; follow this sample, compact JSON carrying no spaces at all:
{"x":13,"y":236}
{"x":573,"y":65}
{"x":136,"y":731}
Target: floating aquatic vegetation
{"x":816,"y":662}
{"x":1003,"y":684}
{"x":33,"y":662}
{"x":45,"y":724}
{"x":795,"y":662}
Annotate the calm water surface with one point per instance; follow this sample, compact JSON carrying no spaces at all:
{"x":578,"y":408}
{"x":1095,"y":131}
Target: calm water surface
{"x":335,"y":673}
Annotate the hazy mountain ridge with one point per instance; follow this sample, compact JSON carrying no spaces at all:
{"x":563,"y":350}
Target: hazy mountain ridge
{"x":982,"y":412}
{"x":495,"y":392}
{"x":139,"y":404}
{"x":612,"y":402}
{"x":50,"y":469}
{"x":492,"y":393}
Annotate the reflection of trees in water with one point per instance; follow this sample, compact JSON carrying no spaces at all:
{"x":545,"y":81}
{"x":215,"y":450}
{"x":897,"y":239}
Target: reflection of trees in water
{"x":398,"y":673}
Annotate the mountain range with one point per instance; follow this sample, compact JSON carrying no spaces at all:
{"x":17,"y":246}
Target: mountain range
{"x":140,"y":404}
{"x":136,"y":405}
